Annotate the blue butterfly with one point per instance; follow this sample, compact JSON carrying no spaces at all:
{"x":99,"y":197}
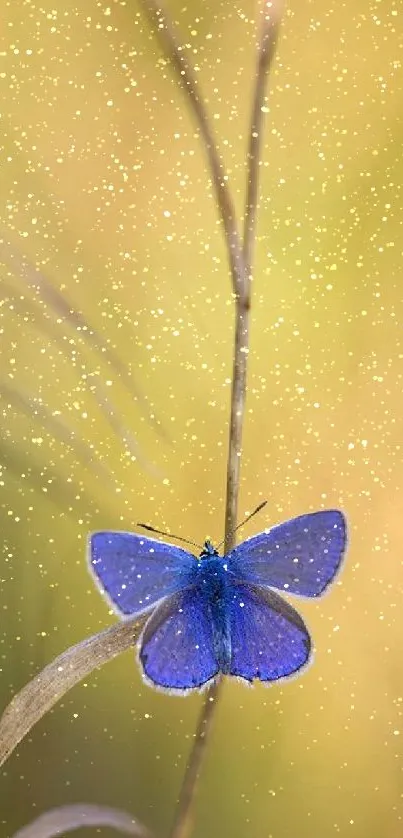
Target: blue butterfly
{"x":219,"y":614}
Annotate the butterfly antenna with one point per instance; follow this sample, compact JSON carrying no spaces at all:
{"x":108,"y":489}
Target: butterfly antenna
{"x":162,"y":532}
{"x":245,"y":521}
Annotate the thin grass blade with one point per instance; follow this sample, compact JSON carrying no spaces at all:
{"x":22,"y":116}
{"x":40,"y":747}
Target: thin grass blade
{"x":271,"y":14}
{"x":166,"y":33}
{"x":56,"y":679}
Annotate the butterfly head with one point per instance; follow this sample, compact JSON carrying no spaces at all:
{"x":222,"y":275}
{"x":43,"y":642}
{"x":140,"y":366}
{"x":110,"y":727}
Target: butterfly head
{"x":209,"y":551}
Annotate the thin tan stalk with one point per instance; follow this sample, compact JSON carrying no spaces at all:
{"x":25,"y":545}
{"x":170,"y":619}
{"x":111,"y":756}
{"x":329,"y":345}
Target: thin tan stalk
{"x":68,"y":669}
{"x":241,"y":269}
{"x":158,"y":18}
{"x":271,"y":14}
{"x":183,"y":819}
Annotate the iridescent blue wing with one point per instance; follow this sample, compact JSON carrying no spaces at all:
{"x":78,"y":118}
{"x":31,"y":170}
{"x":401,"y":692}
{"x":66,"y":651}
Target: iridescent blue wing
{"x":178,"y":645}
{"x":300,"y":556}
{"x":135,"y":572}
{"x":269,"y":640}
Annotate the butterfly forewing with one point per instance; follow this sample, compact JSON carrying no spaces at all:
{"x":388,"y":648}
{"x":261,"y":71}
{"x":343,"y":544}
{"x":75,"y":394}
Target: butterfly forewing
{"x":269,"y":640}
{"x":178,"y":645}
{"x":136,"y":572}
{"x":300,"y":556}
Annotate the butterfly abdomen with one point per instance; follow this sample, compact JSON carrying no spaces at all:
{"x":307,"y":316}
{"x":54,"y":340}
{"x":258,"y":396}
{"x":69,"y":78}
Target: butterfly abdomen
{"x":214,"y":583}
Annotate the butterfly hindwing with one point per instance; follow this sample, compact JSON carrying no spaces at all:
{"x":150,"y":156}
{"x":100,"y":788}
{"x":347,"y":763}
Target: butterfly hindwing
{"x":268,"y":638}
{"x":178,"y":648}
{"x":300,"y":556}
{"x":136,"y":572}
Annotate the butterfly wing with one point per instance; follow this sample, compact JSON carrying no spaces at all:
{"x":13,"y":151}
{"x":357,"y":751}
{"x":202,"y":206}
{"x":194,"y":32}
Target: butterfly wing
{"x":300,"y":556}
{"x":136,"y":572}
{"x":178,"y":648}
{"x":269,"y":639}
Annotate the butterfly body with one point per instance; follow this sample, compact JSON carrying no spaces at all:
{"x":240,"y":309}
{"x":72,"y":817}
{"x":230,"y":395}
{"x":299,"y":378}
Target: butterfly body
{"x":213,"y":578}
{"x":214,"y":614}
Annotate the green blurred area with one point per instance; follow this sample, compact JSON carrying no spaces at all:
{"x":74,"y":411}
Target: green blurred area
{"x":104,"y":187}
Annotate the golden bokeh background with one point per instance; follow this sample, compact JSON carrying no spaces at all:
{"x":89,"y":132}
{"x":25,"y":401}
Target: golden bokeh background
{"x":105,"y":189}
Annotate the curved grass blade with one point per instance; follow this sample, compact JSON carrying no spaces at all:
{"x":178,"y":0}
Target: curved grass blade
{"x":77,"y":815}
{"x":166,"y":33}
{"x":271,"y":13}
{"x":56,"y":679}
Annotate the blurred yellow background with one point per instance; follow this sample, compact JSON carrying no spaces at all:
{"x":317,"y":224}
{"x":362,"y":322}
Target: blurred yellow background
{"x":105,"y":188}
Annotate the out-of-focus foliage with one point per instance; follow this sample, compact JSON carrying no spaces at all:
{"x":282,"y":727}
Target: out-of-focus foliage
{"x":104,"y":187}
